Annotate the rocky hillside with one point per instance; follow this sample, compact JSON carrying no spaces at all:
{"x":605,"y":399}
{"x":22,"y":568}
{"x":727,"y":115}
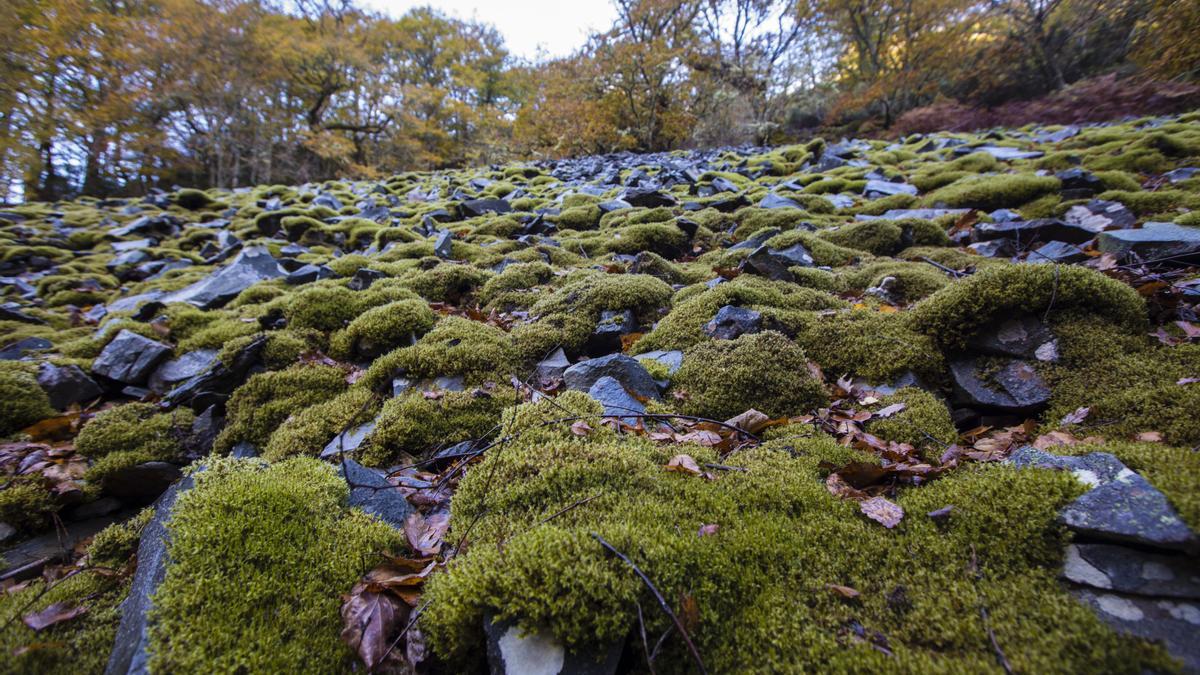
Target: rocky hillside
{"x":923,"y":406}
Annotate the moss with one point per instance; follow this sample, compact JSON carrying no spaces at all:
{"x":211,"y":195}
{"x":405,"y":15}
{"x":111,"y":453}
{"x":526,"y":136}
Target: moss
{"x":194,"y":200}
{"x":326,"y":308}
{"x":382,"y":329}
{"x":765,"y":371}
{"x":993,"y":192}
{"x":1159,"y":201}
{"x":135,"y":427}
{"x":775,"y":524}
{"x":259,"y":556}
{"x":412,"y":425}
{"x":22,"y":401}
{"x":824,"y":253}
{"x":913,"y":281}
{"x":924,"y":422}
{"x":26,"y":503}
{"x":666,"y":239}
{"x":520,"y":278}
{"x":81,"y":645}
{"x":583,"y":217}
{"x":591,"y":293}
{"x":308,"y":431}
{"x":455,"y":346}
{"x":260,"y":405}
{"x":875,"y":345}
{"x":113,"y":545}
{"x":955,"y":313}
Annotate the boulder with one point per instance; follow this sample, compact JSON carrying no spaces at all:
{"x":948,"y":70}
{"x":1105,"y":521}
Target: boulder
{"x":625,"y":370}
{"x":1131,"y":570}
{"x":616,"y":401}
{"x":730,"y":322}
{"x":130,"y":358}
{"x":252,"y":265}
{"x":66,"y":385}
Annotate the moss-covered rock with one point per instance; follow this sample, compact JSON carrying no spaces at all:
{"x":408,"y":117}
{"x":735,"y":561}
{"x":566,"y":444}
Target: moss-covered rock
{"x":923,"y":423}
{"x":22,"y":401}
{"x":259,"y":406}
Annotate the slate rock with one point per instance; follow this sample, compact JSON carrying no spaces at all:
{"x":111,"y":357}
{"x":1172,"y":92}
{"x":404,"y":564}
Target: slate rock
{"x":252,"y":265}
{"x":27,"y":559}
{"x":1079,"y":182}
{"x":1181,"y":174}
{"x":130,"y":358}
{"x":649,"y":198}
{"x":141,"y":483}
{"x":214,"y":385}
{"x":512,"y":650}
{"x":348,"y":441}
{"x":371,"y":491}
{"x":1028,"y":231}
{"x":443,"y":245}
{"x":174,"y":371}
{"x":478,"y":207}
{"x":672,"y":359}
{"x":625,"y":370}
{"x":1015,"y":387}
{"x":1000,"y":152}
{"x":774,"y":263}
{"x":363,"y":278}
{"x":553,"y":366}
{"x":606,"y":337}
{"x":11,"y":311}
{"x":757,"y":239}
{"x":129,"y":653}
{"x":1056,"y":252}
{"x":1131,"y":570}
{"x":883,"y":188}
{"x":22,"y":348}
{"x":1174,"y":623}
{"x":1153,"y":242}
{"x":996,"y":248}
{"x":731,"y":321}
{"x":65,"y":385}
{"x":1019,"y":337}
{"x":308,"y":274}
{"x":616,"y":400}
{"x":774,"y":201}
{"x":1099,"y":215}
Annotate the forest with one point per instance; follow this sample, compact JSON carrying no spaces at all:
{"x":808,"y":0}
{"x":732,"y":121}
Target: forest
{"x":118,"y":97}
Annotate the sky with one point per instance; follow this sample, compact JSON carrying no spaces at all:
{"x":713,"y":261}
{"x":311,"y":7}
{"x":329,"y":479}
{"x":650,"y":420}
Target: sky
{"x":557,"y":26}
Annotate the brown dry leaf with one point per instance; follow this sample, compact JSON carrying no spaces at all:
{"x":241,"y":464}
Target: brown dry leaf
{"x":841,"y":489}
{"x":52,"y":615}
{"x":689,"y":613}
{"x":882,"y":511}
{"x":581,"y":428}
{"x":751,"y":420}
{"x":432,"y":395}
{"x":700,"y":437}
{"x":355,"y":375}
{"x":816,"y":372}
{"x":684,"y":464}
{"x":628,"y":339}
{"x":1191,"y":330}
{"x":59,"y":428}
{"x":1054,"y":438}
{"x":1150,"y":437}
{"x":369,"y":622}
{"x":1077,"y":416}
{"x":425,"y":534}
{"x":844,"y":591}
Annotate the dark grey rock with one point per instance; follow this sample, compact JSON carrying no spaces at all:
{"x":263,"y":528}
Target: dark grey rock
{"x":1130,"y":570}
{"x":1153,"y":242}
{"x":1174,"y":623}
{"x":363,"y":278}
{"x":1014,"y":388}
{"x":308,"y":274}
{"x":625,"y":370}
{"x":11,"y":311}
{"x":924,"y":214}
{"x":26,"y":559}
{"x":141,"y":483}
{"x":1098,"y":215}
{"x":774,"y":263}
{"x":1056,"y":252}
{"x":130,"y":358}
{"x":371,"y":491}
{"x":348,"y":441}
{"x":66,"y":385}
{"x":671,"y":359}
{"x":1000,"y":152}
{"x":1019,"y":337}
{"x":94,"y":509}
{"x":774,"y":201}
{"x":882,"y":188}
{"x":129,"y":653}
{"x":757,"y":239}
{"x":214,"y":385}
{"x":552,"y":367}
{"x":252,"y":265}
{"x":606,"y":337}
{"x":22,"y":348}
{"x":1004,"y":216}
{"x":1026,"y":232}
{"x":996,"y":248}
{"x":1181,"y":174}
{"x":449,"y":383}
{"x":174,"y":371}
{"x":1079,"y":182}
{"x":443,"y":245}
{"x":730,"y":322}
{"x":616,"y":400}
{"x":478,"y":207}
{"x":514,"y":651}
{"x":205,"y":428}
{"x":243,"y":450}
{"x":649,"y":198}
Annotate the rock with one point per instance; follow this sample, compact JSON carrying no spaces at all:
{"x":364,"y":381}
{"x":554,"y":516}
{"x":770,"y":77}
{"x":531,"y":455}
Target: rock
{"x":649,"y":198}
{"x":11,"y":311}
{"x":514,"y":651}
{"x":129,"y":653}
{"x":1056,"y":252}
{"x":924,"y":214}
{"x":363,"y":278}
{"x":996,"y":248}
{"x":671,"y":359}
{"x":308,"y":274}
{"x":1098,"y":215}
{"x":757,"y":239}
{"x":552,"y":367}
{"x":1028,"y":231}
{"x":141,"y":483}
{"x":1078,"y":183}
{"x":1000,"y":152}
{"x":616,"y":401}
{"x":27,"y":559}
{"x":130,"y":358}
{"x":882,"y":188}
{"x":1058,"y":136}
{"x":1130,"y":570}
{"x":205,"y":429}
{"x":1120,"y":507}
{"x":214,"y":385}
{"x":730,"y":322}
{"x":1181,"y":174}
{"x":1155,"y":241}
{"x":371,"y":491}
{"x":625,"y":370}
{"x":21,"y":348}
{"x":244,"y":450}
{"x":478,"y":207}
{"x":1174,"y":623}
{"x":348,"y":441}
{"x":1015,"y":387}
{"x":252,"y":265}
{"x":95,"y":509}
{"x":773,"y":263}
{"x":444,"y":244}
{"x":606,"y":337}
{"x":1019,"y":337}
{"x":6,"y":532}
{"x":174,"y":371}
{"x":66,"y":385}
{"x":774,"y":201}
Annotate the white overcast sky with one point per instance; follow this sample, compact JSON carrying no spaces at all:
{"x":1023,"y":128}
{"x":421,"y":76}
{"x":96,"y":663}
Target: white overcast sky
{"x":557,"y":26}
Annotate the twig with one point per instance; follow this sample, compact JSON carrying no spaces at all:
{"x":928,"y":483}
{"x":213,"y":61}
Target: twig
{"x":563,"y":510}
{"x":662,"y":602}
{"x":1053,"y":296}
{"x":723,"y":467}
{"x":411,"y":622}
{"x":1000,"y":657}
{"x":645,"y":644}
{"x":948,"y":270}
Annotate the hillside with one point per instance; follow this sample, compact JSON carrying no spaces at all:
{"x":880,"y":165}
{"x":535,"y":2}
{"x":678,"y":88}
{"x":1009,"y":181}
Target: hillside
{"x":849,"y":406}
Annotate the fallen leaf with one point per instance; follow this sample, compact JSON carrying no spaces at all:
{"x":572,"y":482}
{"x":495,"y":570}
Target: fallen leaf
{"x":369,"y":622}
{"x":751,"y":420}
{"x":628,"y":339}
{"x":59,"y":428}
{"x":581,"y":428}
{"x":689,"y":612}
{"x":684,"y":464}
{"x":1150,"y":437}
{"x":701,"y":437}
{"x":889,"y":410}
{"x":882,"y":511}
{"x":844,"y":591}
{"x":425,"y":534}
{"x":1076,"y":417}
{"x":1191,"y":330}
{"x":841,"y":489}
{"x":54,"y":614}
{"x":432,"y":395}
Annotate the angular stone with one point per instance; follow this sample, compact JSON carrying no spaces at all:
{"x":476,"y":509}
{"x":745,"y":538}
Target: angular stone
{"x":773,"y":263}
{"x":1056,"y":252}
{"x":444,"y":244}
{"x":363,"y":278}
{"x":66,"y":385}
{"x":1018,"y":337}
{"x":1014,"y":388}
{"x":478,"y":207}
{"x":1099,"y":215}
{"x":21,"y":348}
{"x":371,"y":491}
{"x":623,"y":369}
{"x":606,"y":337}
{"x":924,"y":214}
{"x":672,"y":359}
{"x":141,"y":483}
{"x":883,"y":188}
{"x":514,"y":651}
{"x":616,"y":400}
{"x":130,"y":358}
{"x":649,"y":198}
{"x":552,"y":367}
{"x":214,"y":385}
{"x":1028,"y":231}
{"x":348,"y":441}
{"x":996,"y":248}
{"x":757,"y":239}
{"x":1131,"y":570}
{"x":308,"y":274}
{"x":774,"y":201}
{"x":1174,"y":623}
{"x":1154,"y":241}
{"x":252,"y":265}
{"x":174,"y":371}
{"x":731,"y":321}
